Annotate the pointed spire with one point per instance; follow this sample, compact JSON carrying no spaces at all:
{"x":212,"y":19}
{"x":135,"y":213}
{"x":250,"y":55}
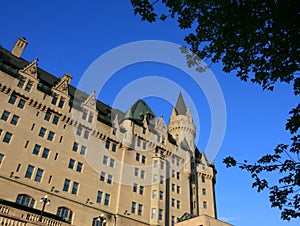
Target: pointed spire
{"x":180,"y":105}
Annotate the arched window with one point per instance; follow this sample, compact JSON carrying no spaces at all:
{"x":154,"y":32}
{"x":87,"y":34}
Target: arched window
{"x":64,"y":213}
{"x":25,"y":200}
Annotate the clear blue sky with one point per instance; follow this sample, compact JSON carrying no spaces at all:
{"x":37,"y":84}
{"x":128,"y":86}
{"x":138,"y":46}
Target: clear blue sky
{"x":68,"y":36}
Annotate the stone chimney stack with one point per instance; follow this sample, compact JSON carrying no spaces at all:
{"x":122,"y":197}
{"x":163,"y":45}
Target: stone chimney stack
{"x":19,"y":47}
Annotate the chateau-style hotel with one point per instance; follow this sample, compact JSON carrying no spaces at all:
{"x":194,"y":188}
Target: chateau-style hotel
{"x":67,"y":158}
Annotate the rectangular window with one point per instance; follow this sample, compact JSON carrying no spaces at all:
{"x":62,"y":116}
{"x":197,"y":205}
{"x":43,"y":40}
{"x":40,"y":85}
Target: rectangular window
{"x":154,"y":194}
{"x":161,"y":179}
{"x":203,"y":191}
{"x":7,"y":137}
{"x":55,"y":120}
{"x":178,"y":176}
{"x":79,"y":167}
{"x":134,"y":189}
{"x":142,"y":174}
{"x":102,"y":176}
{"x":66,"y":185}
{"x":45,"y":153}
{"x":173,"y":187}
{"x":91,"y":116}
{"x":107,"y":144}
{"x":14,"y":120}
{"x":84,"y":114}
{"x":83,"y":150}
{"x":1,"y":158}
{"x":47,"y":116}
{"x":143,"y":159}
{"x":172,"y":221}
{"x":109,"y":179}
{"x":21,"y":103}
{"x":86,"y":134}
{"x":61,"y":103}
{"x":42,"y":132}
{"x":160,"y":214}
{"x":162,"y":165}
{"x":177,"y":162}
{"x":137,"y":157}
{"x":99,"y":197}
{"x":204,"y":204}
{"x":178,"y":189}
{"x":141,"y":190}
{"x":75,"y":188}
{"x":133,"y":206}
{"x":29,"y":171}
{"x":112,"y":163}
{"x":144,"y":145}
{"x":21,"y":82}
{"x":50,"y":136}
{"x":140,"y":209}
{"x":136,"y":171}
{"x":155,"y":164}
{"x":39,"y":175}
{"x":28,"y":86}
{"x":71,"y":164}
{"x":173,"y":202}
{"x":138,"y":143}
{"x":106,"y":200}
{"x":12,"y":99}
{"x":114,"y":147}
{"x":154,"y":178}
{"x":105,"y":158}
{"x":178,"y":204}
{"x":173,"y":173}
{"x":79,"y":131}
{"x":161,"y":195}
{"x":203,"y":179}
{"x":54,"y":100}
{"x":153,"y":213}
{"x":75,"y":147}
{"x":36,"y":149}
{"x":5,"y":115}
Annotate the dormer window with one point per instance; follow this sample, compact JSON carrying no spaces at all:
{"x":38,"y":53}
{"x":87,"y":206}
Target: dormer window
{"x":54,"y":100}
{"x":61,"y":102}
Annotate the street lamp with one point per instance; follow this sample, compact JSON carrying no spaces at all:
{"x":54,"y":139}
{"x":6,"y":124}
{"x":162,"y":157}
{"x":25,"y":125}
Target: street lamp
{"x":45,"y":202}
{"x":100,"y":220}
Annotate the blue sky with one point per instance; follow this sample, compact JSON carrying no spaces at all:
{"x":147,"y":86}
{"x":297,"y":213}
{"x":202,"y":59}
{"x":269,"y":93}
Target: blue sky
{"x":68,"y":36}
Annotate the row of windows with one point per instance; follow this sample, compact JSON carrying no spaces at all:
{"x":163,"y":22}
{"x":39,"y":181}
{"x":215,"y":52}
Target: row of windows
{"x":86,"y":133}
{"x":59,"y":103}
{"x":160,"y":214}
{"x":154,"y":194}
{"x":28,"y":84}
{"x":14,"y":119}
{"x":89,"y":117}
{"x":81,"y":148}
{"x":140,"y":173}
{"x":155,"y":179}
{"x":50,"y":134}
{"x":100,"y":197}
{"x":140,"y":158}
{"x":38,"y":173}
{"x":74,"y":186}
{"x":79,"y":165}
{"x":140,"y":189}
{"x":113,"y":147}
{"x":177,"y":203}
{"x":37,"y":149}
{"x":173,"y":186}
{"x":12,"y":99}
{"x":111,"y":161}
{"x":175,"y":173}
{"x":136,"y":208}
{"x":138,"y":143}
{"x":48,"y":117}
{"x":109,"y":178}
{"x":26,"y":200}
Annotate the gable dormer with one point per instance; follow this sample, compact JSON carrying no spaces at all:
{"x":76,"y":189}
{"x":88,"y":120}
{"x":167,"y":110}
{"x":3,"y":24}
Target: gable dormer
{"x":28,"y":76}
{"x":60,"y":93}
{"x":89,"y":108}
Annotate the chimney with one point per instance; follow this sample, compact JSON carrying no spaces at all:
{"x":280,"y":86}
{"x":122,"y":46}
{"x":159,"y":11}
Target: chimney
{"x":19,"y":47}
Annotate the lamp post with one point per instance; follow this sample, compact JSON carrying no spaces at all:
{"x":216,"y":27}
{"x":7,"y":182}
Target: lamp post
{"x":101,"y":219}
{"x":45,"y":202}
